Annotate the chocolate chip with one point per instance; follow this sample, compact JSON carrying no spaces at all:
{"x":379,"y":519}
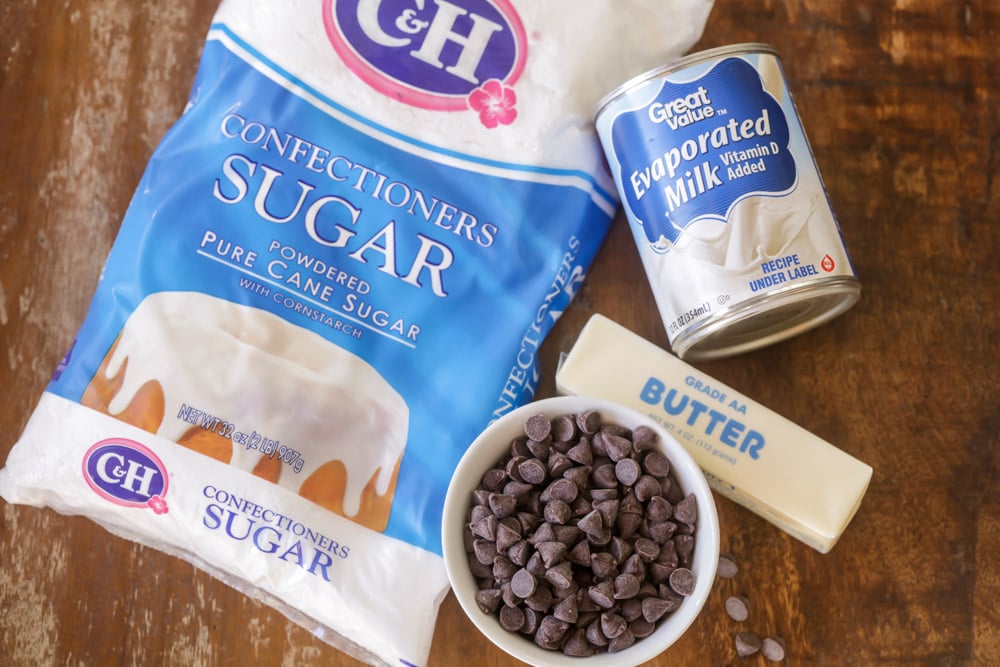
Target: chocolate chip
{"x":485,"y":551}
{"x":595,"y":636}
{"x":656,"y":464}
{"x":685,"y":547}
{"x":541,"y":600}
{"x":550,"y":632}
{"x":537,"y":428}
{"x":612,"y":625}
{"x":686,"y":510}
{"x":493,"y":479}
{"x":646,"y":487}
{"x":604,"y":476}
{"x":640,"y":628}
{"x":507,"y":536}
{"x":628,"y":471}
{"x":560,"y":489}
{"x":644,"y":438}
{"x":523,"y":583}
{"x":617,"y":447}
{"x":532,"y":471}
{"x":503,"y":568}
{"x":682,"y":581}
{"x":728,"y":567}
{"x":653,"y":608}
{"x":558,"y":463}
{"x":738,"y":608}
{"x":621,"y":642}
{"x":511,"y":618}
{"x":577,"y":646}
{"x":592,"y":523}
{"x":580,"y":554}
{"x":563,"y":428}
{"x":603,"y":564}
{"x":603,"y":594}
{"x":589,"y":421}
{"x":560,"y":576}
{"x":773,"y":648}
{"x":486,"y":527}
{"x":488,"y":600}
{"x":557,"y":512}
{"x":551,"y":552}
{"x":659,"y":509}
{"x":626,"y":586}
{"x":502,"y":504}
{"x":747,"y":643}
{"x":582,"y":453}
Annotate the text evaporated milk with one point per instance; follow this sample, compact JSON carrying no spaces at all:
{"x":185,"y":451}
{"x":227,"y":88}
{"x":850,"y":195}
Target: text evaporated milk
{"x":727,"y":207}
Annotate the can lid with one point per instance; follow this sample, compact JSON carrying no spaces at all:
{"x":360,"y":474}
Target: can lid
{"x":679,"y":64}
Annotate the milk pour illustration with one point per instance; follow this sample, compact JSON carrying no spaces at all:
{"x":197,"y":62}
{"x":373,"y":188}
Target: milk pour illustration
{"x":725,"y":201}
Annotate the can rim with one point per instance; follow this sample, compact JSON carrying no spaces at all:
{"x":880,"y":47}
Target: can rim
{"x":819,"y":301}
{"x":680,"y":63}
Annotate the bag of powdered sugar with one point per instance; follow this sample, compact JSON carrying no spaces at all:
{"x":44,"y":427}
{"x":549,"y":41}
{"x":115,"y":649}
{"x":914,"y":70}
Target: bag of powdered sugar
{"x":336,"y":270}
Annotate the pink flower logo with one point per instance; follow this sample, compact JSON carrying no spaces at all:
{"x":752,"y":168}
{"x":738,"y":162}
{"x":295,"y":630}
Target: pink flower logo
{"x":157,"y":504}
{"x":495,"y":103}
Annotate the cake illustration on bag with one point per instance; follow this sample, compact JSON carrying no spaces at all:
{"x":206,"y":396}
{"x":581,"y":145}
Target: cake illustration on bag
{"x":245,"y":387}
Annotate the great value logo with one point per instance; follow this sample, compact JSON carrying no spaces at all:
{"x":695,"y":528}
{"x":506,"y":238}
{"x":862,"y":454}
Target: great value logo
{"x":434,"y":54}
{"x":126,"y":473}
{"x":699,"y":147}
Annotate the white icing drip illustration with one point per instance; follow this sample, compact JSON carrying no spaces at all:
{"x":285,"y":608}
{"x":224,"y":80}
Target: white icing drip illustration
{"x":252,"y":368}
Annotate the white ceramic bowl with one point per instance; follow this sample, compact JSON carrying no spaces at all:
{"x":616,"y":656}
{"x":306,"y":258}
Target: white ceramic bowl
{"x":494,"y":443}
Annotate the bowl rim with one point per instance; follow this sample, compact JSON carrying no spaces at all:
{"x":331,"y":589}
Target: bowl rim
{"x":493,"y":440}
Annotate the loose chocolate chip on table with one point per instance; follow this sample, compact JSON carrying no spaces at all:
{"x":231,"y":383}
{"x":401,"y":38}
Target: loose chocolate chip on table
{"x":580,"y":537}
{"x":773,"y":648}
{"x":728,"y":567}
{"x":738,"y":608}
{"x":747,"y":643}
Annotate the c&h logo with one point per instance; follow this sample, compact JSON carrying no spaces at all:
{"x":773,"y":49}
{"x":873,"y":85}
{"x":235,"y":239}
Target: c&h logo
{"x":126,"y":473}
{"x":434,"y":54}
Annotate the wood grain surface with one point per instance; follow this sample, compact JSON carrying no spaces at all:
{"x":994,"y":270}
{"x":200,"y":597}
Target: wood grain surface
{"x":900,"y":102}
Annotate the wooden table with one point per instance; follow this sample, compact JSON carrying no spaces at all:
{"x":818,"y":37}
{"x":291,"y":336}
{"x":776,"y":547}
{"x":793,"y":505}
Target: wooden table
{"x":900,"y":101}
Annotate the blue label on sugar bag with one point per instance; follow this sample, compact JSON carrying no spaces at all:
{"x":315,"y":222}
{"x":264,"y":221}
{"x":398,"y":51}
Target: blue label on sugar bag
{"x":698,"y":147}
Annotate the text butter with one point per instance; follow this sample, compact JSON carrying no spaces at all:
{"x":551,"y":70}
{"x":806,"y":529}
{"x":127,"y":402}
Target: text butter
{"x":773,"y":467}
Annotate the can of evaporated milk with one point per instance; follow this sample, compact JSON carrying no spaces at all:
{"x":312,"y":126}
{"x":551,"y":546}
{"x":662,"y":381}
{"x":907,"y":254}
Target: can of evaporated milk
{"x":725,"y":202}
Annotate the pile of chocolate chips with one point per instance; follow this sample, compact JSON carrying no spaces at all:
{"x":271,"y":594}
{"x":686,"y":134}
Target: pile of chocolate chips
{"x":580,"y":537}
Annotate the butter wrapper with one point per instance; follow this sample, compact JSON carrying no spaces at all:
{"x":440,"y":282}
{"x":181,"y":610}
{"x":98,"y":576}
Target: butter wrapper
{"x":750,"y":454}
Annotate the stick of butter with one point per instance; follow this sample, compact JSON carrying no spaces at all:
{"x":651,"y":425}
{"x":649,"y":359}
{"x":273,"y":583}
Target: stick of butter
{"x":777,"y":469}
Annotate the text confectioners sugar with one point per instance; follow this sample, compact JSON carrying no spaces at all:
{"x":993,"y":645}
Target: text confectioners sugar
{"x":285,"y":356}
